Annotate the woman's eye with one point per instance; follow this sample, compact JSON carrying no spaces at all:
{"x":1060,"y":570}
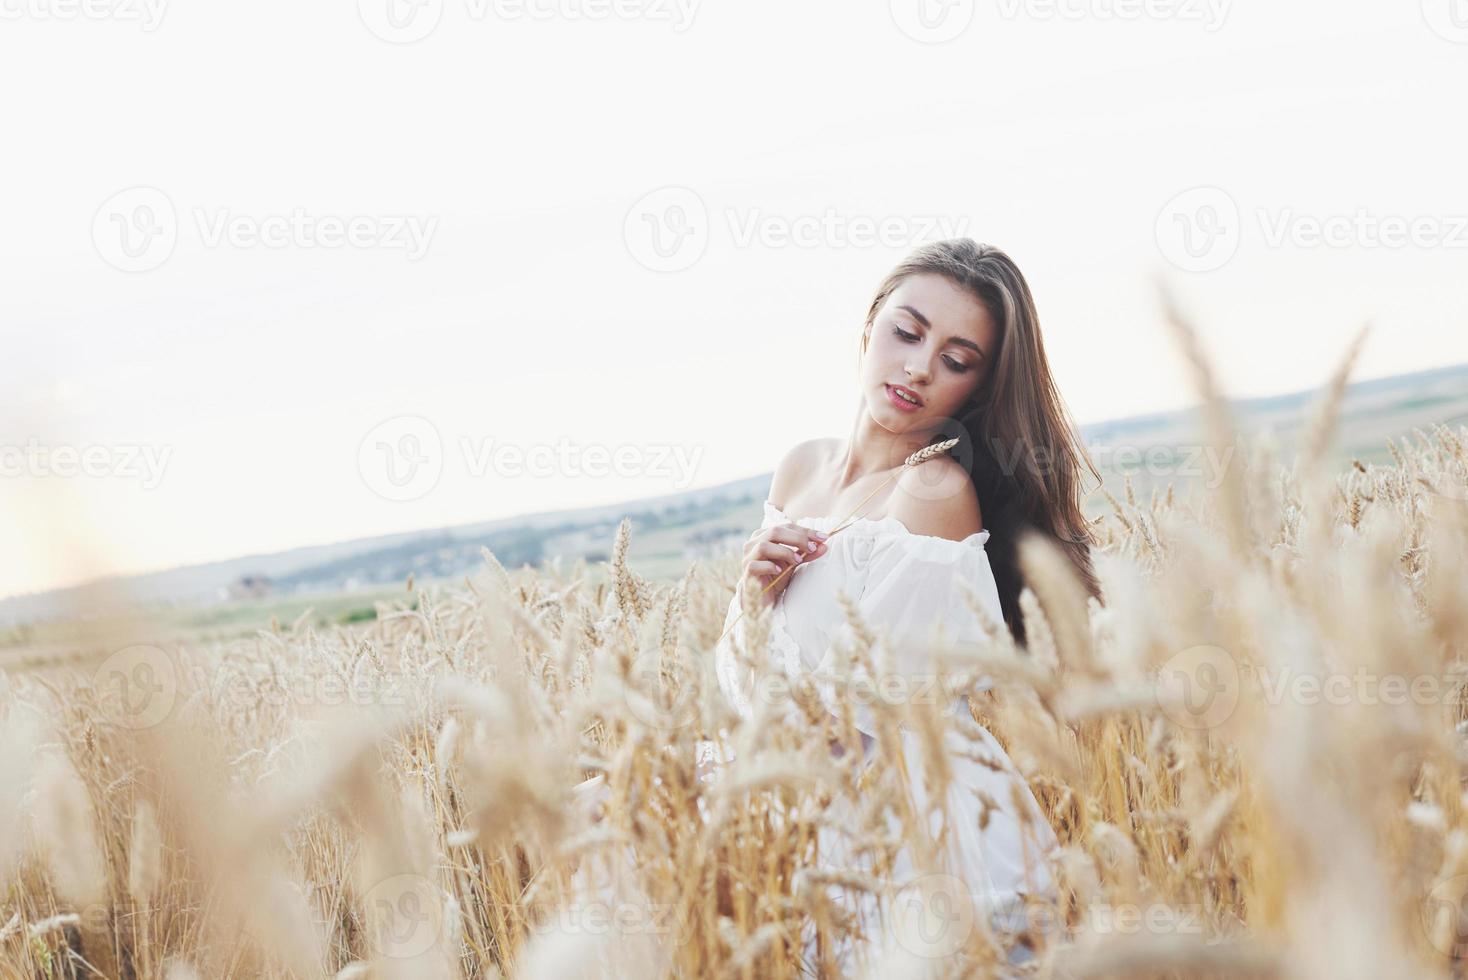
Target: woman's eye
{"x":955,"y":365}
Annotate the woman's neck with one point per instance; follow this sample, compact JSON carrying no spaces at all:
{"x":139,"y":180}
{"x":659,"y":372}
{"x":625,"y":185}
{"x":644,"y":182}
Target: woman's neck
{"x":873,"y":450}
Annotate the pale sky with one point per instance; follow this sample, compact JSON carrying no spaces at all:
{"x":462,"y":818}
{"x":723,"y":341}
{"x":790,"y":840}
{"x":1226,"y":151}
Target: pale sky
{"x":473,"y":255}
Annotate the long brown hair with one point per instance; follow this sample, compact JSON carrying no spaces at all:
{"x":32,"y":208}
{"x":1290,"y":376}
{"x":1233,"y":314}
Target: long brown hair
{"x":1027,"y":455}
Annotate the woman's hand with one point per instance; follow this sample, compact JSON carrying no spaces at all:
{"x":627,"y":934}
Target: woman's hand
{"x":771,"y":550}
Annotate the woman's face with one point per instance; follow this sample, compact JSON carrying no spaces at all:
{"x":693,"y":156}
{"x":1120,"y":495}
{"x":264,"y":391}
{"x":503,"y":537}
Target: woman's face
{"x":933,"y":339}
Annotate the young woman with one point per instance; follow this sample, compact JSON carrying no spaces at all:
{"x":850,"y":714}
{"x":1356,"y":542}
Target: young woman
{"x":981,"y":375}
{"x":951,"y":348}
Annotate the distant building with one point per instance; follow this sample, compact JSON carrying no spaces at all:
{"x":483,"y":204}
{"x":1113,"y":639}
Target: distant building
{"x":250,"y":587}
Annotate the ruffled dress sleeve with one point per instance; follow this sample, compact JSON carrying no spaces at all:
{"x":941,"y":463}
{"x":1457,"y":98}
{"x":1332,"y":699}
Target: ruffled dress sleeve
{"x":913,"y":601}
{"x":915,"y":591}
{"x":732,"y":673}
{"x":909,"y":589}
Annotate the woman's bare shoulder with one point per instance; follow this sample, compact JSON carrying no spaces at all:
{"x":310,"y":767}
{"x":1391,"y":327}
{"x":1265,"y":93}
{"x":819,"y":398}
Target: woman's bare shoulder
{"x":797,"y":466}
{"x":937,"y":498}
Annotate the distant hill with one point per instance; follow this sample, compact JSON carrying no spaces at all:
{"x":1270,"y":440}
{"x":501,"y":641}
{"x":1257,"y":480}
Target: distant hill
{"x":673,"y":529}
{"x":356,"y":564}
{"x":1373,"y":412}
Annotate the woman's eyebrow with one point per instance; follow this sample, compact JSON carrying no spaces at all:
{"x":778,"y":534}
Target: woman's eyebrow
{"x":917,"y":316}
{"x":960,"y":341}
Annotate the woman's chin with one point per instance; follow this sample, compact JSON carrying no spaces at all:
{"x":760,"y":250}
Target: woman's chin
{"x":895,"y":422}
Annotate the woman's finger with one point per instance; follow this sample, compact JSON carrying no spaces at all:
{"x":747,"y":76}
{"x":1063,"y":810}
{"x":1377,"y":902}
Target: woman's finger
{"x":777,"y":553}
{"x":795,"y":535}
{"x":763,"y":569}
{"x":789,"y":534}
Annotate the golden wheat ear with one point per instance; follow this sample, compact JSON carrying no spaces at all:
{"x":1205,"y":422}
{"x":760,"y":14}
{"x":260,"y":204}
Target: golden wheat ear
{"x":928,"y":452}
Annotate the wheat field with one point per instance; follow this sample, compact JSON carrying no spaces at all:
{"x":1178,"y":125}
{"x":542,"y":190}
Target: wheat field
{"x":1253,"y":755}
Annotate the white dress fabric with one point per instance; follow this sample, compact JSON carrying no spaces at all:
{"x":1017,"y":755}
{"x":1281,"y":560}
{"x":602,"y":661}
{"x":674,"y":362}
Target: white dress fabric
{"x":901,"y":582}
{"x":909,"y":589}
{"x":906,"y":587}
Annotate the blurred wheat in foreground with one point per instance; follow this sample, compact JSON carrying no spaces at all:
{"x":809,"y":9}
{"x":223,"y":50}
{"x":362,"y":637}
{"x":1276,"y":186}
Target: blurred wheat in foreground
{"x":1253,"y":755}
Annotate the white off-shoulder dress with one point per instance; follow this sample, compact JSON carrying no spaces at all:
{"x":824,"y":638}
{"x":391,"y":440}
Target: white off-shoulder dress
{"x":907,"y":587}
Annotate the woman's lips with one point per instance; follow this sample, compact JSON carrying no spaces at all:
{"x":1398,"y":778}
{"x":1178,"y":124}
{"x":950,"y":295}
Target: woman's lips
{"x":899,"y":401}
